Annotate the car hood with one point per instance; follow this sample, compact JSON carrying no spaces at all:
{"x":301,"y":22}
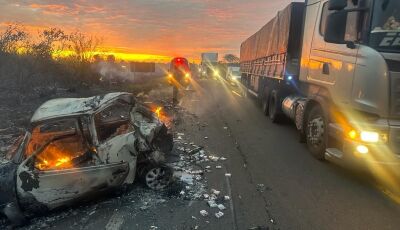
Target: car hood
{"x":7,"y":182}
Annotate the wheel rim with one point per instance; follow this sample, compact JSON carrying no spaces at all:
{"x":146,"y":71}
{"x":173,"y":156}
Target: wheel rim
{"x":316,"y":131}
{"x":157,"y":178}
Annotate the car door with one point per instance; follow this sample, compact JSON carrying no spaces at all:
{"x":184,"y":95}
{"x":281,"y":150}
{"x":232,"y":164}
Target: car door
{"x":114,"y":136}
{"x":62,"y":170}
{"x":334,"y":64}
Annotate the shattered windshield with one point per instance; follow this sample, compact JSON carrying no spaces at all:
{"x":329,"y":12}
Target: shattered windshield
{"x":386,"y":26}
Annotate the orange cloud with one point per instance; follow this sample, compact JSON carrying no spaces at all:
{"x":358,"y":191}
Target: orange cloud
{"x":159,"y":27}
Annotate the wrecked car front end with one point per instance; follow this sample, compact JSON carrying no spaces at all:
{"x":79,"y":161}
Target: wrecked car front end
{"x":85,"y":146}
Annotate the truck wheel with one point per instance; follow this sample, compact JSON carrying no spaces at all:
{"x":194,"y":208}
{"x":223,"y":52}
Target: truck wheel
{"x":274,"y":109}
{"x":264,"y":104}
{"x":316,"y":133}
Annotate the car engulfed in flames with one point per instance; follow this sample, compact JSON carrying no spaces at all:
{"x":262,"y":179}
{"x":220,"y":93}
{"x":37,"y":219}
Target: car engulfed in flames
{"x":77,"y":147}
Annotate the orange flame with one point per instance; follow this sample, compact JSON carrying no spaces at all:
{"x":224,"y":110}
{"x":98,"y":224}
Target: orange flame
{"x":158,"y":112}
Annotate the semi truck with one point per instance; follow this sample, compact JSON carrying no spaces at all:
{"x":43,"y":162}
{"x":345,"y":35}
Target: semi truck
{"x":209,"y":64}
{"x":333,"y":68}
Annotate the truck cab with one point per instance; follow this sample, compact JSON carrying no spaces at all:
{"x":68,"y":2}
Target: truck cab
{"x":350,"y":77}
{"x":340,"y":84}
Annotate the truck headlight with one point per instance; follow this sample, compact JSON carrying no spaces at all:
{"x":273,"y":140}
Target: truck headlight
{"x":368,"y":136}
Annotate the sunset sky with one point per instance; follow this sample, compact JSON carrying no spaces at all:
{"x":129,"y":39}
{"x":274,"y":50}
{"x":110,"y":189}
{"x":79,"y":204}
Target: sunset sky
{"x":150,"y":27}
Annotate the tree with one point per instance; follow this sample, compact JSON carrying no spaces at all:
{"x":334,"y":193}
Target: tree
{"x":83,"y":47}
{"x":12,"y":39}
{"x":50,"y":41}
{"x":231,"y":58}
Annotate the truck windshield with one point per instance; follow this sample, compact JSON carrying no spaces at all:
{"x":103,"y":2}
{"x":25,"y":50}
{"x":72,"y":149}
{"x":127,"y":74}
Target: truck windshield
{"x":385,"y":34}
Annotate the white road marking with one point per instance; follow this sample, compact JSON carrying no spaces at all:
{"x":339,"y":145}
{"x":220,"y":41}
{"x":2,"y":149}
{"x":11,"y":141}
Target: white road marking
{"x":238,"y":94}
{"x":115,"y":221}
{"x":228,"y":186}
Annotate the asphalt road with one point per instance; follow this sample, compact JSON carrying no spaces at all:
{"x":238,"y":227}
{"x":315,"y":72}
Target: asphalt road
{"x":275,"y":182}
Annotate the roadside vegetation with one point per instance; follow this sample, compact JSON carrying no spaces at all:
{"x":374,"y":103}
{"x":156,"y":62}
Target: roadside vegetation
{"x":51,"y":58}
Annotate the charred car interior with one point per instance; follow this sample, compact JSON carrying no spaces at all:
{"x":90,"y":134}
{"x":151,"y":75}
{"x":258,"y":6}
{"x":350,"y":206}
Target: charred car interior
{"x":82,"y":146}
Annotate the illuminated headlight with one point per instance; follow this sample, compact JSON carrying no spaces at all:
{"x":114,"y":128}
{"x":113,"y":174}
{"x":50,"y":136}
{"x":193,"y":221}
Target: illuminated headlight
{"x":187,"y":75}
{"x":362,"y":149}
{"x":368,"y":136}
{"x":170,"y":75}
{"x":216,"y":73}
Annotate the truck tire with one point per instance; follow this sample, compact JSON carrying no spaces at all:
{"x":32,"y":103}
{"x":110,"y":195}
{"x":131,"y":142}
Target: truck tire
{"x":316,"y":133}
{"x":264,"y":106}
{"x":274,"y":110}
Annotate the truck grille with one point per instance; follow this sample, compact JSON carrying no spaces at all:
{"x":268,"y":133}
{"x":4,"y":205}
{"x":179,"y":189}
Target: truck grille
{"x":395,"y":94}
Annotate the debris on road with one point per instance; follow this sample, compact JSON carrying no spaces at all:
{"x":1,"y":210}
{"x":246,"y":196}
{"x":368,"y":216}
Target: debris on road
{"x":228,"y":175}
{"x":227,"y":198}
{"x":215,"y":192}
{"x":212,"y":204}
{"x":221,"y":207}
{"x":219,"y":214}
{"x":260,"y":187}
{"x":218,"y":167}
{"x":204,"y":213}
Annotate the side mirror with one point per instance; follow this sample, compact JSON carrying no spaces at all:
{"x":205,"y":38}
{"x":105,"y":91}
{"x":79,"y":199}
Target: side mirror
{"x":337,"y":4}
{"x":335,"y":31}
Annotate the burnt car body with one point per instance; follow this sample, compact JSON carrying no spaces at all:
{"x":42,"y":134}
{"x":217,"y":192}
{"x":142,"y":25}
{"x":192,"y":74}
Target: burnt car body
{"x":77,"y":147}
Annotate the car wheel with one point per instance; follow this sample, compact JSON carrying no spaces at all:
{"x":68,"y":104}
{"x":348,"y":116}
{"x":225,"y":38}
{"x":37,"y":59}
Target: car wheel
{"x":316,"y":133}
{"x":157,"y":177}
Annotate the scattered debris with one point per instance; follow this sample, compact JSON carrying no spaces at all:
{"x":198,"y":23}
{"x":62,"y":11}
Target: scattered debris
{"x":219,"y":214}
{"x":204,"y":213}
{"x":227,"y":198}
{"x":221,"y":207}
{"x":260,"y":187}
{"x":215,"y":192}
{"x":212,"y":204}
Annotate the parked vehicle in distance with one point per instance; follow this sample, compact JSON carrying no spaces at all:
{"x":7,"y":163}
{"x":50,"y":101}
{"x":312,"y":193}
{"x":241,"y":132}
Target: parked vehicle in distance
{"x":332,"y":66}
{"x":233,"y":74}
{"x":179,"y":75}
{"x":79,"y":147}
{"x":209,"y":65}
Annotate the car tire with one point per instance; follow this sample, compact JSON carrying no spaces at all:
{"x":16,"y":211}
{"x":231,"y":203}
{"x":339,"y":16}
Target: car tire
{"x":156,"y":176}
{"x":316,"y":133}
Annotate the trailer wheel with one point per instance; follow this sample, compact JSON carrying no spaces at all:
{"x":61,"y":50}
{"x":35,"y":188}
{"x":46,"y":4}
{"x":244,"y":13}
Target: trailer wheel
{"x":316,"y":133}
{"x":274,"y":108}
{"x":265,"y":109}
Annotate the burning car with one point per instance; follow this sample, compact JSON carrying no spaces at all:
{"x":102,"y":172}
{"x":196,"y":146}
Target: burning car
{"x":78,"y":147}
